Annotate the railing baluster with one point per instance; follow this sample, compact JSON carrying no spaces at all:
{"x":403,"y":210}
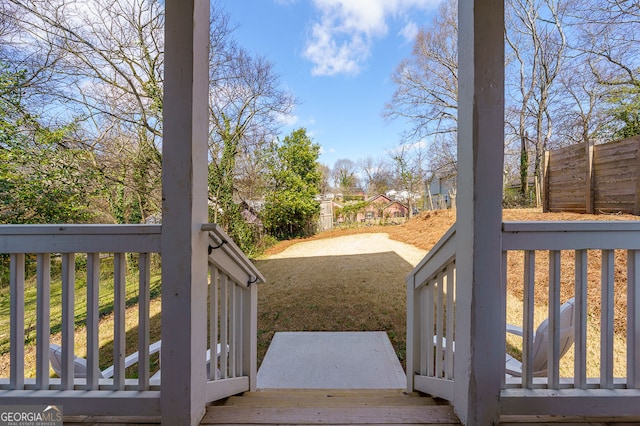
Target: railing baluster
{"x":68,"y":320}
{"x":144,"y":301}
{"x":441,"y":282}
{"x":528,"y":317}
{"x":606,"y":319}
{"x":224,"y":324}
{"x":232,"y":329}
{"x":633,"y":319}
{"x":429,"y":294}
{"x":503,"y":304}
{"x":450,"y":335}
{"x":553,"y":363}
{"x":16,"y":343}
{"x":424,"y":336}
{"x":93,"y":316}
{"x":580,"y":336}
{"x":240,"y":330}
{"x":213,"y":319}
{"x":119,"y":299}
{"x":43,"y":319}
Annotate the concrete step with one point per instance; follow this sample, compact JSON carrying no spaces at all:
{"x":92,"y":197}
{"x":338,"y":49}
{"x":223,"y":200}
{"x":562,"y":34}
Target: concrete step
{"x":331,"y":360}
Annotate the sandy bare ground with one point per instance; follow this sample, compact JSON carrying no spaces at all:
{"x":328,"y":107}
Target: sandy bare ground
{"x":353,"y":245}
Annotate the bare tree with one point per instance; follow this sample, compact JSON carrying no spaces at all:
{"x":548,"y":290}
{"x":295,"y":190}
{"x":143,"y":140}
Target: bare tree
{"x":426,"y":96}
{"x":535,"y":35}
{"x":409,"y":173}
{"x":107,"y":58}
{"x":246,"y":106}
{"x":344,"y":175}
{"x":376,"y":174}
{"x":427,"y":82}
{"x":580,"y":113}
{"x":610,"y":35}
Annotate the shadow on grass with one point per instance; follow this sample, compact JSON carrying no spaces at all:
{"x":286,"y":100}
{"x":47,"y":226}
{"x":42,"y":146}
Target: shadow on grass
{"x":155,"y":334}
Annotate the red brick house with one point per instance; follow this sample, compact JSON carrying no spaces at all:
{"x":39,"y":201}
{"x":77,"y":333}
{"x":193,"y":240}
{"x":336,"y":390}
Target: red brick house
{"x":382,"y":207}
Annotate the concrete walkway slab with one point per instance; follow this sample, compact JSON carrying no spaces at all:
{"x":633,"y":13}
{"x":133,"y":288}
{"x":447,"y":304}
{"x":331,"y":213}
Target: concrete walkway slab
{"x":331,"y":360}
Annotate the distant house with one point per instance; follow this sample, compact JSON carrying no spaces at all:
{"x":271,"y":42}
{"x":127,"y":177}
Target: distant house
{"x":382,"y":207}
{"x":441,"y":193}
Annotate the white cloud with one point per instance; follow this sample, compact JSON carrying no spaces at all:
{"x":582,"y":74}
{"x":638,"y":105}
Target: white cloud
{"x":409,"y":147}
{"x":409,"y":31}
{"x":340,"y":41}
{"x":287,"y":119}
{"x":324,"y":150}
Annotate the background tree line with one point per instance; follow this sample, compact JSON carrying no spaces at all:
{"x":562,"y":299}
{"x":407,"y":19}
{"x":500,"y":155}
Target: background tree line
{"x":81,"y":92}
{"x":571,"y":76}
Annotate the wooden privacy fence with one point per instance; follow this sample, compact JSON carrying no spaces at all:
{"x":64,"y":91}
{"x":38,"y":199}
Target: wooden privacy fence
{"x":586,"y":178}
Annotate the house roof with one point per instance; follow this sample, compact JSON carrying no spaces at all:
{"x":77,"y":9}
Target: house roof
{"x":376,"y":197}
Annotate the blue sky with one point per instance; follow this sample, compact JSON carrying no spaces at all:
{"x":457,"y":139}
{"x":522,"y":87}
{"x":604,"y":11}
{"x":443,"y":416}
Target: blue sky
{"x":336,"y":57}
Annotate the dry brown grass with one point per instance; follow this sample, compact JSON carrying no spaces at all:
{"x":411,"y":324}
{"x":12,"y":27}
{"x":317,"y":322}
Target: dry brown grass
{"x":316,"y":295}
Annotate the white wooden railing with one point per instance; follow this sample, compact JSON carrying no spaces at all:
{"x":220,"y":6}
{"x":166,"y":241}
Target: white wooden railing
{"x":119,"y":394}
{"x":580,"y":258}
{"x":233,"y":306}
{"x":431,"y":289}
{"x":232,"y":318}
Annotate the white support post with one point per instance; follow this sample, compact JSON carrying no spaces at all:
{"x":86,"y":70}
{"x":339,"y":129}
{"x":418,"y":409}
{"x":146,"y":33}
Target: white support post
{"x":184,"y":184}
{"x":480,"y":305}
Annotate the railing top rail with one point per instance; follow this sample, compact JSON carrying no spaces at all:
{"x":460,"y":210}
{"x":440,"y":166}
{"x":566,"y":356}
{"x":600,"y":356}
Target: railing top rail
{"x":438,"y":257}
{"x":84,"y":229}
{"x":62,"y":238}
{"x":220,"y":240}
{"x":572,"y":226}
{"x":571,"y":235}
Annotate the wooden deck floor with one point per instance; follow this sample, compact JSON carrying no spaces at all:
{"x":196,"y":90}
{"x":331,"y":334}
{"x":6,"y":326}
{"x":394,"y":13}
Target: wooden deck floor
{"x":340,"y":407}
{"x":310,"y":407}
{"x":331,"y":407}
